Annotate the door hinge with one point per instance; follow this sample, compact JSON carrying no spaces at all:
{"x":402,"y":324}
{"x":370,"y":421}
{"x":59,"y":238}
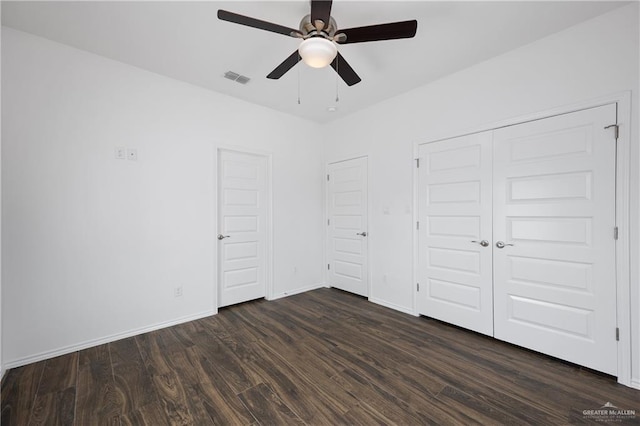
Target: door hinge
{"x":327,"y":178}
{"x":616,"y":132}
{"x":328,"y":222}
{"x":417,"y":163}
{"x":418,"y":286}
{"x":615,"y":233}
{"x":417,"y":225}
{"x":617,"y":334}
{"x":328,"y":266}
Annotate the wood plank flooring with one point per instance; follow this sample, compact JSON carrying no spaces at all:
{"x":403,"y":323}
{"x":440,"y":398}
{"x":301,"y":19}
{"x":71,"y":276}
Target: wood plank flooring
{"x":324,"y":357}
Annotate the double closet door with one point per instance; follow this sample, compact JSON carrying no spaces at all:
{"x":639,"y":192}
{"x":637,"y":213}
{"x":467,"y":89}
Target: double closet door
{"x":516,"y":236}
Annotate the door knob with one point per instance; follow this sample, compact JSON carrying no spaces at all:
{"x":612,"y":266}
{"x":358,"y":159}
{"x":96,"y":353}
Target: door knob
{"x":501,"y":244}
{"x":483,"y":243}
{"x":222,"y":237}
{"x":364,"y":234}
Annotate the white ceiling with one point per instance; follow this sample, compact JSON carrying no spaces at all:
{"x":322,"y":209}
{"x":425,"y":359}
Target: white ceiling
{"x":185,"y":40}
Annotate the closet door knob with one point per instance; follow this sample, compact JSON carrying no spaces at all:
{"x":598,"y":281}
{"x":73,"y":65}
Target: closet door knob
{"x":501,"y":244}
{"x":483,"y":243}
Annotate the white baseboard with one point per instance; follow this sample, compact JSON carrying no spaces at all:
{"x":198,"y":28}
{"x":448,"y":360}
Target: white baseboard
{"x":107,"y":339}
{"x":297,"y":291}
{"x":635,"y":383}
{"x":392,"y":306}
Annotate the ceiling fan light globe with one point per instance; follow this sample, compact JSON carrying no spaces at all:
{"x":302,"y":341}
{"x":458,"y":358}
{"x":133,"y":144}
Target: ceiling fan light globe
{"x":317,"y":52}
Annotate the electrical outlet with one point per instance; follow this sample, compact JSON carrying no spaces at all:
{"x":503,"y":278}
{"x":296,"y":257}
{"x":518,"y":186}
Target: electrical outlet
{"x":177,"y":292}
{"x":132,"y":154}
{"x":121,"y":153}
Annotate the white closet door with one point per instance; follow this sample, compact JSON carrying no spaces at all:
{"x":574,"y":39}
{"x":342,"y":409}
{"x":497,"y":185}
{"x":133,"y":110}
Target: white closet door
{"x":347,"y":238}
{"x":554,"y":208}
{"x":242,"y":205}
{"x":455,"y":232}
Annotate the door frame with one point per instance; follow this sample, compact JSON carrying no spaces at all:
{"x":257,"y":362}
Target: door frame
{"x":624,"y":301}
{"x":268,"y":261}
{"x":326,"y":219}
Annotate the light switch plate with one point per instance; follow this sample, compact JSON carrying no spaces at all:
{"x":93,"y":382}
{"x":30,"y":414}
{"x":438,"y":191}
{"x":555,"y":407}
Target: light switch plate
{"x":121,"y":153}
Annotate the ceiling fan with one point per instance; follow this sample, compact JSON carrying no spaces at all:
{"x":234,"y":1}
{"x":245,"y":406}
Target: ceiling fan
{"x":320,"y":34}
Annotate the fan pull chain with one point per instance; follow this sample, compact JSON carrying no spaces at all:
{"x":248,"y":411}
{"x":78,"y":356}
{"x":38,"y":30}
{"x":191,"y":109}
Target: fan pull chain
{"x":337,"y":68}
{"x":298,"y":78}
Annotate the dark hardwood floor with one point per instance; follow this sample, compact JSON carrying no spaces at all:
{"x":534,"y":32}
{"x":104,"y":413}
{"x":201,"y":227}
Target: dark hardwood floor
{"x":320,"y":358}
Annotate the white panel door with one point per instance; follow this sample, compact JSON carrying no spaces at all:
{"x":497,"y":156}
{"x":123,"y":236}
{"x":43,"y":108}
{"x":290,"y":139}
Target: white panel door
{"x":554,"y":208}
{"x":242,"y":222}
{"x":454,"y":210}
{"x":347,"y":253}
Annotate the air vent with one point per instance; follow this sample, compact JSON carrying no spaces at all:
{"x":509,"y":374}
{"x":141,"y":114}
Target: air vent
{"x":236,"y":77}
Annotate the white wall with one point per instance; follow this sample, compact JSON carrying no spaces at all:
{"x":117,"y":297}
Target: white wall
{"x":92,"y":247}
{"x":594,"y":59}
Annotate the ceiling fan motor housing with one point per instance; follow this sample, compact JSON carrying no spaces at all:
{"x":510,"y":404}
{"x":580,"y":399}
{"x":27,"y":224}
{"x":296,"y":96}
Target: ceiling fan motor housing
{"x":309,"y":29}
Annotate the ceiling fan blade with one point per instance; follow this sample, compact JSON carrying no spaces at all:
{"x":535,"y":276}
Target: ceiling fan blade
{"x":345,"y":71}
{"x":321,"y":11}
{"x":285,"y":66}
{"x":257,"y":23}
{"x":390,"y":31}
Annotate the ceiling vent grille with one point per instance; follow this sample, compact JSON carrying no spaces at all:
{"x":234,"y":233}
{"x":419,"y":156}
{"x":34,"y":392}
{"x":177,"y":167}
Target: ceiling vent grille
{"x":236,"y":77}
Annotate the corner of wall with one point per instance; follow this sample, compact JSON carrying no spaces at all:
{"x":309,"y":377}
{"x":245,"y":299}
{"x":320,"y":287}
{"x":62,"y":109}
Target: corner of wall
{"x":2,"y":369}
